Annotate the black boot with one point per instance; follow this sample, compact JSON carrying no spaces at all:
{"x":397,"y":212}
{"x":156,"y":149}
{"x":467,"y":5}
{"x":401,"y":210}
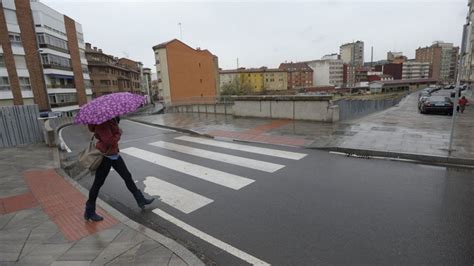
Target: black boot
{"x":90,"y":214}
{"x":141,"y":200}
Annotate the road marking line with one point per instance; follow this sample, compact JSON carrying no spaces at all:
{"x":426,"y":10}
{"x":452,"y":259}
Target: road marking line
{"x":211,"y":240}
{"x":221,"y":157}
{"x":215,"y":176}
{"x":177,"y":197}
{"x":62,"y":143}
{"x":246,"y":148}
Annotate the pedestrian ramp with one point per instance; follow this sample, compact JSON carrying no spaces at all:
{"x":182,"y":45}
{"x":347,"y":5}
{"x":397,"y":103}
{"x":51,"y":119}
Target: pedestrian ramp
{"x":188,"y":201}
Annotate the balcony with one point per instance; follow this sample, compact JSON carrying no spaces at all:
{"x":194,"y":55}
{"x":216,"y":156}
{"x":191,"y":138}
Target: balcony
{"x":61,"y":86}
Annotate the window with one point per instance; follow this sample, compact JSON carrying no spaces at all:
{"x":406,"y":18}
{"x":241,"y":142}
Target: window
{"x":80,"y":37}
{"x":15,"y":39}
{"x":55,"y":61}
{"x":4,"y":84}
{"x":20,"y":61}
{"x":25,"y":84}
{"x":2,"y":61}
{"x":10,"y":16}
{"x":85,"y":70}
{"x":46,"y":40}
{"x":105,"y":82}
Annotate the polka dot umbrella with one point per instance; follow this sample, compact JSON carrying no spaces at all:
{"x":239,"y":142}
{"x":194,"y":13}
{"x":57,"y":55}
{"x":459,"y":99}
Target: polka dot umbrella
{"x":107,"y":107}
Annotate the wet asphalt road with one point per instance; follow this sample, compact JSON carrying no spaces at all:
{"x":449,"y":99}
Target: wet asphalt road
{"x":322,"y":209}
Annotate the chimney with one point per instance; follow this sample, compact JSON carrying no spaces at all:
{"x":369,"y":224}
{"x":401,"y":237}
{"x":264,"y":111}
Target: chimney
{"x":100,"y":50}
{"x":88,"y":46}
{"x":95,"y":48}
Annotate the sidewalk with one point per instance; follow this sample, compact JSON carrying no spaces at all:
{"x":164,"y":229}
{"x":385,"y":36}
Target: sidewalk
{"x":41,"y":221}
{"x":397,"y":131}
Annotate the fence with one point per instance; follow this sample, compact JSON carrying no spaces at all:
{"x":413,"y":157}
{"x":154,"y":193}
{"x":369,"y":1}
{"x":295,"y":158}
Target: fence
{"x":19,"y":125}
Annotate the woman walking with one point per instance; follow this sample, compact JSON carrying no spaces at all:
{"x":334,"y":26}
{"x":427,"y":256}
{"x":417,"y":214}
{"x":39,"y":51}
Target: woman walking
{"x":462,"y":103}
{"x":108,"y":135}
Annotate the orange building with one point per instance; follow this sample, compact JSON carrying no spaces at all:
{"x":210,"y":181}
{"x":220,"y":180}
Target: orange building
{"x":186,"y":75}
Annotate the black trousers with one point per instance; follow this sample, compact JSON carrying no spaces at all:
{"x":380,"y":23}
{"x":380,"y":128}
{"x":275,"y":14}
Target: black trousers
{"x":102,"y":173}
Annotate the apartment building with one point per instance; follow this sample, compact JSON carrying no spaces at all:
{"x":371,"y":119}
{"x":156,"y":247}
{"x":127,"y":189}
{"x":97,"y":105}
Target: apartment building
{"x":467,"y":69}
{"x":110,"y":74}
{"x":257,"y":79}
{"x":415,"y":70}
{"x":352,"y":53}
{"x":42,"y":57}
{"x":300,"y":75}
{"x":442,"y":58}
{"x":185,"y":74}
{"x":327,"y":72}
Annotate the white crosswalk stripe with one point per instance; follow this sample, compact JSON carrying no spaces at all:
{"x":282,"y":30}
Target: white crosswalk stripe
{"x":215,"y":176}
{"x":177,"y":197}
{"x":245,"y":148}
{"x":221,"y":157}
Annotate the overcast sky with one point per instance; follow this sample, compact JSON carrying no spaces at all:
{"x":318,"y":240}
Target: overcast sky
{"x":265,"y":33}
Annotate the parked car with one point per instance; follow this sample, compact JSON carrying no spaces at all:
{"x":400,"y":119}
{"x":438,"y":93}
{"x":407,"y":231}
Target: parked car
{"x":425,"y":92}
{"x":421,"y":100}
{"x":437,"y":104}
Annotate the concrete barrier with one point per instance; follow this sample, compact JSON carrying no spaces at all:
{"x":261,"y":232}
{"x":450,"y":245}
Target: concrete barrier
{"x":313,"y":108}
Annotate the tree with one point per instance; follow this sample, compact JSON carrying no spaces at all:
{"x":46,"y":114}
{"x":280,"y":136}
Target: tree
{"x":235,"y":88}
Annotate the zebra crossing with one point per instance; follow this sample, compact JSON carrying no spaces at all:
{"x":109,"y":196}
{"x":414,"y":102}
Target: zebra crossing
{"x":187,"y":201}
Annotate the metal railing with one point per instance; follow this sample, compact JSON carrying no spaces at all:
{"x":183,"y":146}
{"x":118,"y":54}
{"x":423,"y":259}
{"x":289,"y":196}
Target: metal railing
{"x":200,"y":100}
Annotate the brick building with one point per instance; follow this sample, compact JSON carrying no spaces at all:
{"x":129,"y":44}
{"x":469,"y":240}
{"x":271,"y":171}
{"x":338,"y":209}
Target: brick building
{"x":443,"y":59}
{"x":110,"y":74}
{"x":42,"y":57}
{"x":300,"y":75}
{"x":186,"y":74}
{"x":392,"y":69}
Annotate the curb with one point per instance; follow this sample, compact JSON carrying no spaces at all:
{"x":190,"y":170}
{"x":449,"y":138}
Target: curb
{"x":429,"y":159}
{"x":169,"y":243}
{"x":183,"y":130}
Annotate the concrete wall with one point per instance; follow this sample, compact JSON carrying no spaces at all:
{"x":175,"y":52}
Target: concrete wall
{"x":202,"y":108}
{"x":350,"y":109}
{"x":287,"y":107}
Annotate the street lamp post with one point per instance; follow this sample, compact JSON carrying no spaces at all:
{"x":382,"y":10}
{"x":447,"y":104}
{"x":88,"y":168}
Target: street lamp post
{"x":456,"y":100}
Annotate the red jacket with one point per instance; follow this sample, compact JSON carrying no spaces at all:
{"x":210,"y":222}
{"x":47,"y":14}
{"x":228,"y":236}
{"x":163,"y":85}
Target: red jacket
{"x":462,"y":101}
{"x":108,"y":135}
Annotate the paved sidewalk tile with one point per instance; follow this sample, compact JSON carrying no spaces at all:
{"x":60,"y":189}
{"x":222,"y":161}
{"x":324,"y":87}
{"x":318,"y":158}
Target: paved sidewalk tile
{"x":16,"y":203}
{"x":41,"y":221}
{"x":64,"y":204}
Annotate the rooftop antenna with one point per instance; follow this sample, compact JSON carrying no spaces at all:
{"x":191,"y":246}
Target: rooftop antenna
{"x":237,"y":63}
{"x":180,"y":31}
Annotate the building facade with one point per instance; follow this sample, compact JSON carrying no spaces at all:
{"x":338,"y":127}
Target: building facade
{"x":110,"y":74}
{"x":392,"y":69}
{"x":299,"y":75}
{"x":42,"y":57}
{"x":415,"y":70}
{"x":442,"y":58}
{"x":327,"y":72}
{"x":467,"y":47}
{"x":185,"y":74}
{"x":257,"y":79}
{"x":352,"y":53}
{"x":146,"y":84}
